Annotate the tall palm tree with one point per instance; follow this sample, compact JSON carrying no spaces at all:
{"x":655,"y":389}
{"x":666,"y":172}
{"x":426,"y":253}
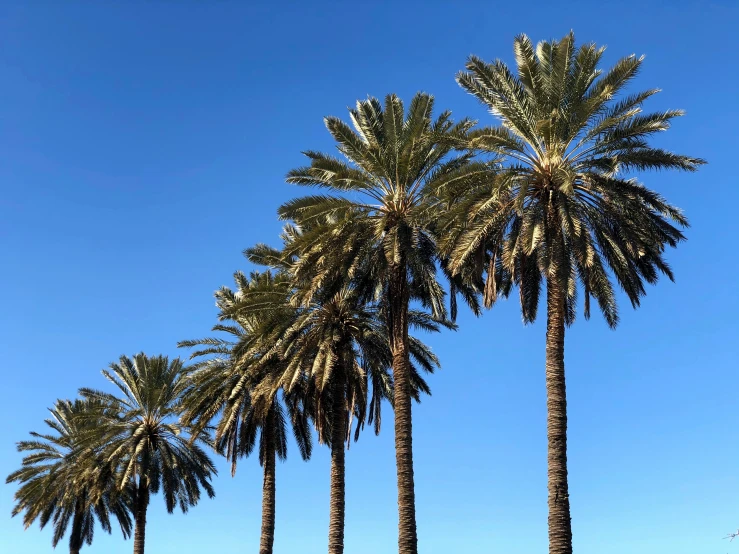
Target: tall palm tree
{"x":237,"y":382}
{"x":379,"y":234}
{"x":146,"y":439}
{"x":564,"y":207}
{"x":60,"y":482}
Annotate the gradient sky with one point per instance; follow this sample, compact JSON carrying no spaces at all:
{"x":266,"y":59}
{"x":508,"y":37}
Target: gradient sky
{"x":143,"y":146}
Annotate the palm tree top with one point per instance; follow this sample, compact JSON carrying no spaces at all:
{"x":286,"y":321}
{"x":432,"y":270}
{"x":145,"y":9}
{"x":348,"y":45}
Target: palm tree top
{"x":381,"y":212}
{"x":388,"y":154}
{"x":143,"y":430}
{"x":237,"y":379}
{"x":565,"y":204}
{"x":61,"y":480}
{"x":558,"y":112}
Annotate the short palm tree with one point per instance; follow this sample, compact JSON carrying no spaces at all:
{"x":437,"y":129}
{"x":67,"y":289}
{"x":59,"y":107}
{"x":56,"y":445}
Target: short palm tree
{"x":378,"y":233}
{"x":144,"y":437}
{"x":564,"y":208}
{"x":237,"y":383}
{"x":62,"y":483}
{"x":337,"y":346}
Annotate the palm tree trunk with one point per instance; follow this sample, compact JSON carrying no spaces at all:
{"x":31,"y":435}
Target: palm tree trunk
{"x":560,"y":528}
{"x":75,"y":536}
{"x":338,"y":436}
{"x":142,"y":503}
{"x":399,"y":298}
{"x":268,"y":489}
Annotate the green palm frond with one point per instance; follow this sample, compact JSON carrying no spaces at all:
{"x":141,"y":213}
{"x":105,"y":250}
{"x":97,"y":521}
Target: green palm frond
{"x":397,"y":162}
{"x":563,"y":207}
{"x":64,"y":482}
{"x":143,"y":434}
{"x":236,"y":384}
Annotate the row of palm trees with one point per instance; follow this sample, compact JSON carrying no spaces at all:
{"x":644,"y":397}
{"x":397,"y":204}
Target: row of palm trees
{"x":321,"y":336}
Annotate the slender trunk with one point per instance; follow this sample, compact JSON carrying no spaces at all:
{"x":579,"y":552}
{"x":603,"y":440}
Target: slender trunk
{"x":338,"y":436}
{"x":399,"y":299}
{"x":75,"y":536}
{"x":268,"y":489}
{"x":560,"y":529}
{"x":141,"y":505}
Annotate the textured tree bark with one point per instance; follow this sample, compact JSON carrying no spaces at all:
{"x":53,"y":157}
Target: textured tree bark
{"x":399,"y":299}
{"x":560,"y":528}
{"x":338,"y":436}
{"x":75,"y":535}
{"x":268,"y":489}
{"x":142,"y":503}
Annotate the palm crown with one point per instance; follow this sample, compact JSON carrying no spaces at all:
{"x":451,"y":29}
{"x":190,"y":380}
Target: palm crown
{"x":564,"y":206}
{"x":238,"y":376}
{"x":145,"y":437}
{"x":339,"y":334}
{"x":391,"y":159}
{"x":63,"y":482}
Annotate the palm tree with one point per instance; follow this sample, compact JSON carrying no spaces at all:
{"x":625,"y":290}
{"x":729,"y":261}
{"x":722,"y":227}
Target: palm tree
{"x":236,"y":382}
{"x":564,"y":207}
{"x":379,"y":235}
{"x":145,"y":438}
{"x":337,"y":346}
{"x":62,"y":484}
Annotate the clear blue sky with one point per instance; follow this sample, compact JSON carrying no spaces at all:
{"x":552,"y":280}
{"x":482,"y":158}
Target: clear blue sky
{"x":143,"y":146}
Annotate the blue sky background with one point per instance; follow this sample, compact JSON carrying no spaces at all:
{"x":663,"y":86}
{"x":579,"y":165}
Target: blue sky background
{"x":143,"y":146}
